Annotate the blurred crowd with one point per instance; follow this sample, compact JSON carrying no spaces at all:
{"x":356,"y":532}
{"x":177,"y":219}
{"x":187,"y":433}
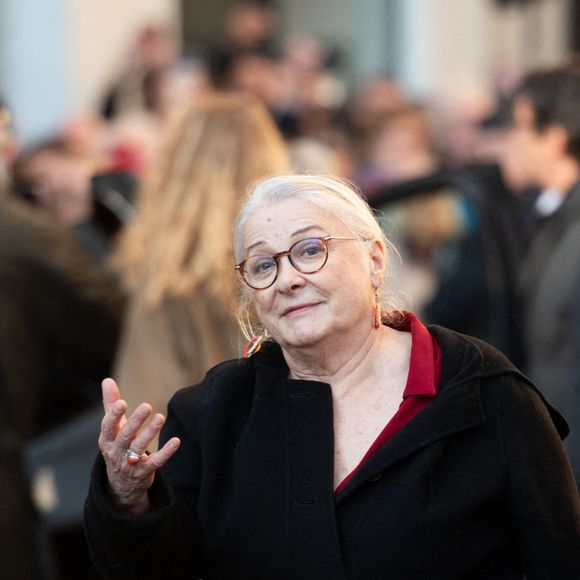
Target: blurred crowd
{"x":115,"y":252}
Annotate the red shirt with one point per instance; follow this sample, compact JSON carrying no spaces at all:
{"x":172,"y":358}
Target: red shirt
{"x":422,"y":384}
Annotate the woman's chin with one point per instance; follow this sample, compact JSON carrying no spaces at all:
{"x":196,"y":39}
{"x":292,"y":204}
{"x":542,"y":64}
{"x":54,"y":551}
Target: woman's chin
{"x":301,"y":336}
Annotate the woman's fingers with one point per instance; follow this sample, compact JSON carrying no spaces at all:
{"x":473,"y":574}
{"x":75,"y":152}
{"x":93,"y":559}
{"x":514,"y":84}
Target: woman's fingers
{"x":110,"y":393}
{"x":156,"y":460}
{"x":113,"y":420}
{"x":115,"y":409}
{"x":133,"y":425}
{"x":130,"y":481}
{"x":130,"y":475}
{"x":144,"y":438}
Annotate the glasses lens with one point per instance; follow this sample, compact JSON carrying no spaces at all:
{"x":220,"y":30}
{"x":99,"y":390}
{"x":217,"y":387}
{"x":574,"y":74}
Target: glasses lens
{"x":259,"y":271}
{"x":308,"y":255}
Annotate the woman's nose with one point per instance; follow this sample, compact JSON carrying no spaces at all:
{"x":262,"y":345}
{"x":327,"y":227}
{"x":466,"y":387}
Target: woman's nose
{"x":288,"y":276}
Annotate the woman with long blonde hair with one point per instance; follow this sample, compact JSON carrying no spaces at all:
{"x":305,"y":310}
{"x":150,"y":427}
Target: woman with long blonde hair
{"x":174,"y":258}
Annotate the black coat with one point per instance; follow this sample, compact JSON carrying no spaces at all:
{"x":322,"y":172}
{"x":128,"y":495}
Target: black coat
{"x":549,"y":288}
{"x":59,"y":318}
{"x":476,"y":486}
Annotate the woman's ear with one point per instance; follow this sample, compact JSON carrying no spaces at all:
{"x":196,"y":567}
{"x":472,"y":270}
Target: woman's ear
{"x":377,"y":255}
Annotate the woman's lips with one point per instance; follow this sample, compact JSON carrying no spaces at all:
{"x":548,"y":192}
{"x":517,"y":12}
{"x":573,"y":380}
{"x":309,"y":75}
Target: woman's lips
{"x":299,"y":309}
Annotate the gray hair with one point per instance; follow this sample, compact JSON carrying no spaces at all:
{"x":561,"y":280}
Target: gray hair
{"x":337,"y":196}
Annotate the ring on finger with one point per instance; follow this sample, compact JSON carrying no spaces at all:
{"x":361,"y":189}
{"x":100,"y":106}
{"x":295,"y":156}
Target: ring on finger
{"x":132,"y":456}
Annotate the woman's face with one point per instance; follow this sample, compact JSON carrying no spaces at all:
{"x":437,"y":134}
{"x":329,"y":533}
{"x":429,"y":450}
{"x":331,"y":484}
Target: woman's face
{"x":300,"y":310}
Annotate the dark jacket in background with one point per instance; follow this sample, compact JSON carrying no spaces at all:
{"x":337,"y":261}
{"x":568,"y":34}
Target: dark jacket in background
{"x":68,"y":314}
{"x":17,"y":514}
{"x":59,"y":321}
{"x":550,"y":293}
{"x":477,"y":486}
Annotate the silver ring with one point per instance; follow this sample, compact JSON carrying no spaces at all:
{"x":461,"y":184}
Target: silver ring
{"x":132,"y":456}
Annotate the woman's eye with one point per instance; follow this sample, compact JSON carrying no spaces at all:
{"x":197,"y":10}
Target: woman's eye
{"x":311,"y":250}
{"x":262,"y":266}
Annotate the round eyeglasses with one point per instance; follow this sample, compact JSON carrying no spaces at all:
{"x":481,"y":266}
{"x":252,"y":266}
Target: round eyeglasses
{"x":307,"y":256}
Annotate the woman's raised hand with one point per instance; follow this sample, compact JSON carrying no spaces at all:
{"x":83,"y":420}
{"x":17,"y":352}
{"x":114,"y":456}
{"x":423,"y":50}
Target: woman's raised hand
{"x":123,"y":443}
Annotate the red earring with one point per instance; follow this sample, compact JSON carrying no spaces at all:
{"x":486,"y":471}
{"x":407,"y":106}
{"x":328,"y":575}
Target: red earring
{"x":252,"y":347}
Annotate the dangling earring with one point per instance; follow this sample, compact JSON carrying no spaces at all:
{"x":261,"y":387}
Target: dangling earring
{"x":377,"y":314}
{"x":254,"y":345}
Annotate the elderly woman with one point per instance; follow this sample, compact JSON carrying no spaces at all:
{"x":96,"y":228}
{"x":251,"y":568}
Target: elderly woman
{"x":350,"y":442}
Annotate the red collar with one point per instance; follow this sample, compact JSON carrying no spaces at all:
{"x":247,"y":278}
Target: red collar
{"x":424,"y":367}
{"x":422,"y":384}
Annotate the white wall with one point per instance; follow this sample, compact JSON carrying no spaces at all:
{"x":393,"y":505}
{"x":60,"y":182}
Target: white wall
{"x":99,"y":33}
{"x":451,"y":43}
{"x":33,"y":73}
{"x":532,"y":37}
{"x":359,"y":27}
{"x":56,"y":56}
{"x":415,"y":37}
{"x":440,"y":44}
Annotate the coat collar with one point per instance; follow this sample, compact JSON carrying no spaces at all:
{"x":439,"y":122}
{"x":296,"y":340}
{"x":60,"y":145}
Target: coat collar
{"x":465,"y":361}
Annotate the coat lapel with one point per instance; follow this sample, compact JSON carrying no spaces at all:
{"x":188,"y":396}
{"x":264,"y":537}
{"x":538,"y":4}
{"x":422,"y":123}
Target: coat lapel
{"x":309,"y":457}
{"x":452,"y":411}
{"x":314,"y":535}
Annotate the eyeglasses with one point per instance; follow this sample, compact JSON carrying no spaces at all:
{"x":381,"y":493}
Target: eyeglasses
{"x":307,"y":256}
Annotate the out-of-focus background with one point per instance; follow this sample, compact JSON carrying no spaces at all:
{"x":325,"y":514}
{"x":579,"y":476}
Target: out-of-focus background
{"x":58,"y":56}
{"x":129,"y":131}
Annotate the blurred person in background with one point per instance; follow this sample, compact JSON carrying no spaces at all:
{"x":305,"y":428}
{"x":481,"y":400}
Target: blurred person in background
{"x":57,"y":179}
{"x":70,"y":308}
{"x":258,"y":75}
{"x":458,"y":129}
{"x":313,"y":94}
{"x":460,"y":232}
{"x":73,"y":189}
{"x":18,"y":557}
{"x":60,"y":319}
{"x":372,"y":101}
{"x":495,"y":149}
{"x":545,"y":143}
{"x":399,"y":147}
{"x":310,"y":108}
{"x":251,"y":25}
{"x":298,"y":87}
{"x":173,"y":258}
{"x":375,"y":98}
{"x":250,"y":28}
{"x":155,"y":80}
{"x":154,"y":51}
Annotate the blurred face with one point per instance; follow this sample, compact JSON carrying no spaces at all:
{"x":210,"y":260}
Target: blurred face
{"x":530,"y":152}
{"x":250,"y":25}
{"x":401,"y":150}
{"x":301,"y":310}
{"x":61,"y":184}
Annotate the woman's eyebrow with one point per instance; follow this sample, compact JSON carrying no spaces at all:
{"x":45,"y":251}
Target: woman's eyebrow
{"x":306,"y":229}
{"x":295,"y":233}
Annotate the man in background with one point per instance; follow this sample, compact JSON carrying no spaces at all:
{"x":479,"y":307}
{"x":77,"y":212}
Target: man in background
{"x":545,"y":144}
